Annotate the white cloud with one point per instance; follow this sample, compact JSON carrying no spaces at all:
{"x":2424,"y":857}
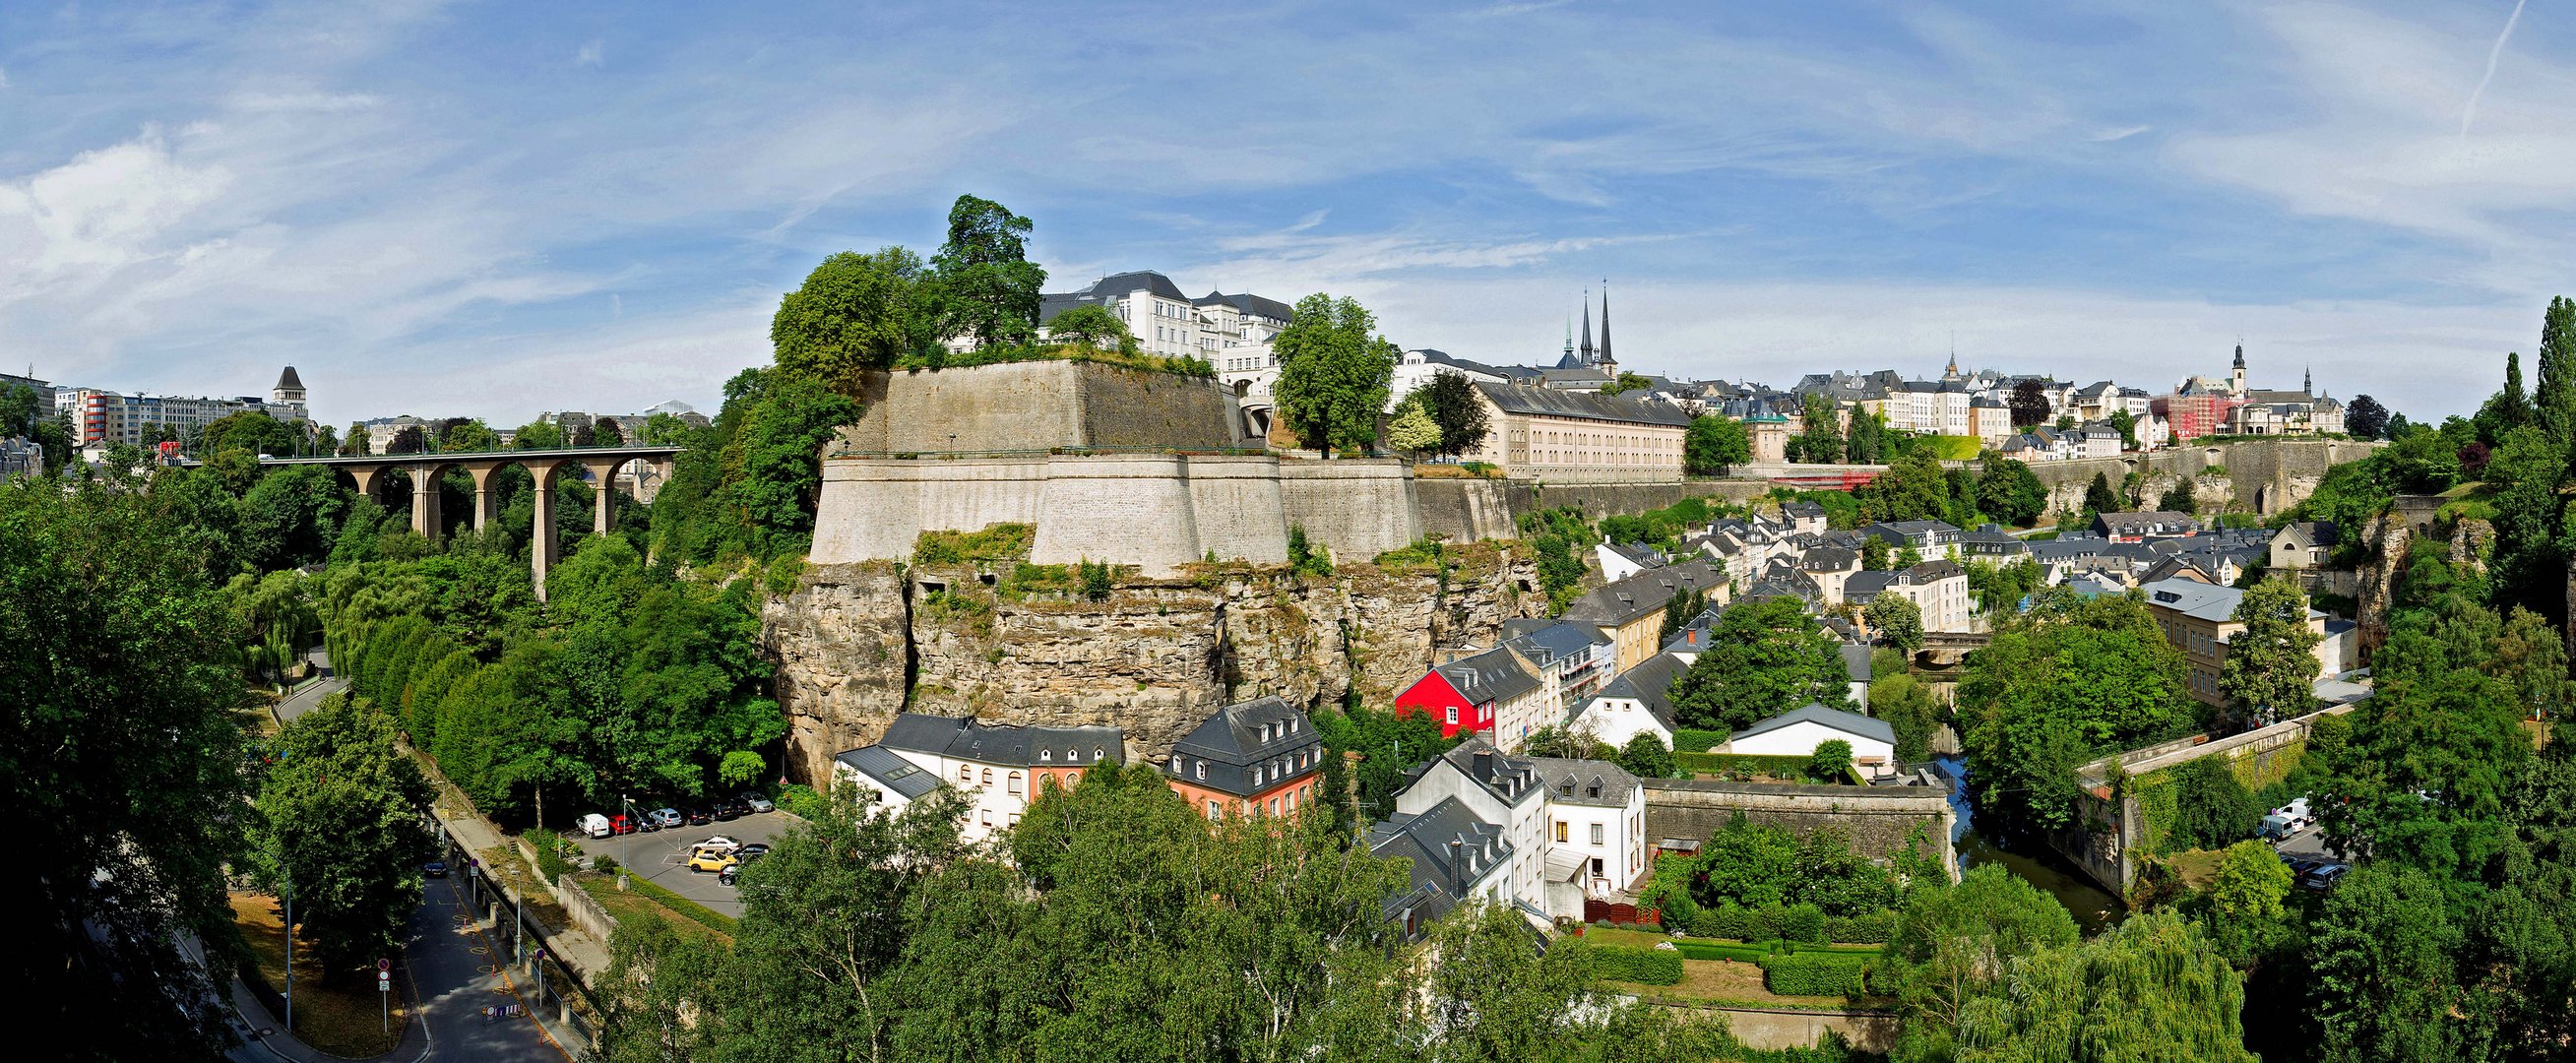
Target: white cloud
{"x":592,"y":54}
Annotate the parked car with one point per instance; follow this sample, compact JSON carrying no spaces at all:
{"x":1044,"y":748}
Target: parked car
{"x":434,"y":869}
{"x":2324,"y":879}
{"x":710,"y":858}
{"x":663,"y":817}
{"x":718,"y":841}
{"x":594,"y":824}
{"x":757,"y":802}
{"x":697,"y":817}
{"x":728,"y":808}
{"x":727,"y":876}
{"x":621,"y":824}
{"x":753,"y":851}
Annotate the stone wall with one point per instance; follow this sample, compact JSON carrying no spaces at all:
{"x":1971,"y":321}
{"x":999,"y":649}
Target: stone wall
{"x":1778,"y":1029}
{"x":1039,"y":406}
{"x":2110,"y":841}
{"x":2260,"y":476}
{"x":1155,"y":657}
{"x":1879,"y":820}
{"x":1360,"y":508}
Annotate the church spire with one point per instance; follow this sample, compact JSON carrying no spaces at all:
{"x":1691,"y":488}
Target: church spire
{"x":2240,"y":356}
{"x":2308,"y":380}
{"x":1586,"y":349}
{"x":1605,"y":323}
{"x":1569,"y":335}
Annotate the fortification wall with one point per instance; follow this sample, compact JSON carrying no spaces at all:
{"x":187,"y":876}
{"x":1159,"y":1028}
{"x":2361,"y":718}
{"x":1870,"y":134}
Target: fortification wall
{"x":1465,"y":511}
{"x":1359,"y":508}
{"x":1878,"y":820}
{"x":1236,"y":506}
{"x":2262,"y":476}
{"x":875,"y":509}
{"x":1039,"y":406}
{"x":2111,"y":838}
{"x":1130,"y":508}
{"x":1133,"y":408}
{"x":1601,"y":500}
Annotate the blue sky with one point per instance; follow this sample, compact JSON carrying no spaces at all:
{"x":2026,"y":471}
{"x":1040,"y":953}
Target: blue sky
{"x":500,"y":208}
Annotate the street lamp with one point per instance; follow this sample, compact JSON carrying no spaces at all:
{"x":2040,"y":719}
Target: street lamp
{"x":289,"y":897}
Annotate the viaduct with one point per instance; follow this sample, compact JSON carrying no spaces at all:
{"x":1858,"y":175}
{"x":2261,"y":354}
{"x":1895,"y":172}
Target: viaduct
{"x":372,"y":474}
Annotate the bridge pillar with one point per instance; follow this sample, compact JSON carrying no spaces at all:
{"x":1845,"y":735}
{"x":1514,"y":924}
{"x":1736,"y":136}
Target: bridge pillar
{"x":424,"y":499}
{"x":371,"y":481}
{"x":603,"y":520}
{"x":487,"y":504}
{"x":541,"y":536}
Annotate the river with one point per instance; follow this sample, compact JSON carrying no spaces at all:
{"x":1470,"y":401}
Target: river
{"x":2093,"y":907}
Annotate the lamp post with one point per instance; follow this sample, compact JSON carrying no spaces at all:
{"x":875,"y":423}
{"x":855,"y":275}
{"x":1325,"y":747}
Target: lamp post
{"x":289,"y":898}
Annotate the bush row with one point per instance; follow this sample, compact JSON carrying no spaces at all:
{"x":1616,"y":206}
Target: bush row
{"x":1791,"y":922}
{"x":1815,"y":974}
{"x":1696,"y":740}
{"x":1646,"y":966}
{"x":1793,"y":767}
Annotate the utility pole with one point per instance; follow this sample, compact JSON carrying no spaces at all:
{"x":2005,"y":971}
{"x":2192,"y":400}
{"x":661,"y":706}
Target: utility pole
{"x":290,"y":957}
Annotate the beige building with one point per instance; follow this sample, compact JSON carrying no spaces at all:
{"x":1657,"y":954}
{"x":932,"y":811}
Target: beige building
{"x":1938,"y":589}
{"x":1630,"y":613}
{"x":1561,"y":436}
{"x":2199,"y":619}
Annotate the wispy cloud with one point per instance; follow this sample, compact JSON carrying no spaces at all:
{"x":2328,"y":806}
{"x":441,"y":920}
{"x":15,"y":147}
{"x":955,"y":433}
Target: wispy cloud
{"x":2469,"y":113}
{"x":591,"y":54}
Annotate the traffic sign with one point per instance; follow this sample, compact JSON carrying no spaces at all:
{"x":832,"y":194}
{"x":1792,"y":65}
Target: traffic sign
{"x":384,"y":965}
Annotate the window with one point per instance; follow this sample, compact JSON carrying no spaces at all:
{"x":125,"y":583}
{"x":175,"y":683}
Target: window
{"x":1015,"y":821}
{"x":1098,"y":752}
{"x":1013,"y":785}
{"x":988,"y":776}
{"x":1202,"y":769}
{"x":1453,"y":714}
{"x":988,"y":818}
{"x":965,"y":775}
{"x":1046,"y":754}
{"x":1215,"y":812}
{"x":1274,"y":806}
{"x":1561,"y":828}
{"x":1596,"y":867}
{"x":1596,"y":834}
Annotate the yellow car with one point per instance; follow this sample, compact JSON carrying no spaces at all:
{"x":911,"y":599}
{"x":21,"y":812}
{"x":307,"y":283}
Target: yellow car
{"x":712,"y":860}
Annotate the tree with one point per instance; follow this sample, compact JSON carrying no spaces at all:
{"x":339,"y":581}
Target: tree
{"x":1093,"y":326}
{"x":649,"y":1010}
{"x":1413,"y":431}
{"x":987,"y":287}
{"x":1897,"y":620}
{"x":605,"y":432}
{"x":2247,"y":909}
{"x":2152,"y":987}
{"x":18,"y":404}
{"x":1914,"y":487}
{"x":2099,"y":497}
{"x":2010,"y":492}
{"x":1713,"y":443}
{"x":1999,"y":589}
{"x":1821,"y":441}
{"x":409,"y":439}
{"x":2365,"y":418}
{"x":1459,"y":409}
{"x":1626,"y":382}
{"x":2271,"y":665}
{"x":2384,"y":987}
{"x":2029,"y":403}
{"x":123,"y":758}
{"x":1830,"y":761}
{"x":1906,"y":704}
{"x":1333,"y":373}
{"x":1567,"y":745}
{"x":1645,"y":757}
{"x":2423,"y":780}
{"x":2523,"y":477}
{"x":2506,"y":410}
{"x":2179,"y":498}
{"x":1764,"y":658}
{"x":2068,"y":680}
{"x":2126,"y":425}
{"x":1874,"y":553}
{"x":2555,"y":398}
{"x":2211,"y":809}
{"x":853,"y":313}
{"x":1953,"y":942}
{"x":339,"y":819}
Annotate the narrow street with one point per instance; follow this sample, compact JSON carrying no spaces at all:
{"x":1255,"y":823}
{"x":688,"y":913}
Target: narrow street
{"x":457,"y":970}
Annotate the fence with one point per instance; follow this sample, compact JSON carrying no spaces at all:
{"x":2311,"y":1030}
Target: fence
{"x":520,"y":940}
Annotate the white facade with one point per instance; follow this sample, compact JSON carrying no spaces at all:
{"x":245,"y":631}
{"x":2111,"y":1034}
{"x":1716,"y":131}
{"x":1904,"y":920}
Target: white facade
{"x":1596,"y":823}
{"x":1801,"y":739}
{"x":1615,"y":719}
{"x":1522,"y":815}
{"x":1000,"y":793}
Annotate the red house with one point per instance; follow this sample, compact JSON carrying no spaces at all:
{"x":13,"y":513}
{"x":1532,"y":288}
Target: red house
{"x":1473,"y":695}
{"x":1435,"y":695}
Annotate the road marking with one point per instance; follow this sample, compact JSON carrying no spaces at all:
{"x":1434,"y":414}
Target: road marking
{"x":513,"y":987}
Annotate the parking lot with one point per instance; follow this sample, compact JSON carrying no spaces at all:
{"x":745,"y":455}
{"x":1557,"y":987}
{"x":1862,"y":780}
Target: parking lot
{"x":657,"y":856}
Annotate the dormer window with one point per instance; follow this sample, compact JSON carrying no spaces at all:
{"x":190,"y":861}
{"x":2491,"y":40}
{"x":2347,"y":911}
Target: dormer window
{"x":1202,"y":769}
{"x":1046,"y":754}
{"x":1098,"y":753}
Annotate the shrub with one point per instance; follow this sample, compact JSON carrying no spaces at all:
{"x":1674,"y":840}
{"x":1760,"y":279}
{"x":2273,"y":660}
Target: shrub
{"x":1785,"y":767}
{"x":1764,"y":923}
{"x":997,"y":542}
{"x":1697,"y":740}
{"x":1622,"y":963}
{"x":550,"y":859}
{"x":1873,"y":928}
{"x":1803,"y":922}
{"x":1816,"y":974}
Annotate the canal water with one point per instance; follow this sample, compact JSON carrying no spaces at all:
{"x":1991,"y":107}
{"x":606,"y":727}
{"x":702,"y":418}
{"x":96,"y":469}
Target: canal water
{"x":2094,"y":908}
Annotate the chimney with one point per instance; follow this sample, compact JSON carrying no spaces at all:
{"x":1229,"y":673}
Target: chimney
{"x":1694,"y":637}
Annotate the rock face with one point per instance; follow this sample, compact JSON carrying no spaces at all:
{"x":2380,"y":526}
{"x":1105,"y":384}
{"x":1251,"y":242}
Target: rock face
{"x":2389,"y":537}
{"x":1016,"y":643}
{"x":2471,"y":541}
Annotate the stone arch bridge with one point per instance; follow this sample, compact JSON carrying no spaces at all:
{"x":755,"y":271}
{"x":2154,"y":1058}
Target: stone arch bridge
{"x":373,"y":472}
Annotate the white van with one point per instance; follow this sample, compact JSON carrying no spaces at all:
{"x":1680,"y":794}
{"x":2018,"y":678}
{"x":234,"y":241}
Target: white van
{"x":594,"y":824}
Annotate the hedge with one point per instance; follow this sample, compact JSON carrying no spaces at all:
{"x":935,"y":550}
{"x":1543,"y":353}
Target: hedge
{"x":1803,"y":922}
{"x":1710,"y":950}
{"x":1695,"y":740}
{"x":1647,"y":966}
{"x":1873,"y":928}
{"x":1815,"y":974}
{"x":1792,"y":767}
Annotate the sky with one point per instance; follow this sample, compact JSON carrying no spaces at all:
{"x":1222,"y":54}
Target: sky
{"x":497,"y":209}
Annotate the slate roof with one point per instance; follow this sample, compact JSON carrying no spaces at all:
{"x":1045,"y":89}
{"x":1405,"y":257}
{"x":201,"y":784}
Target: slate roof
{"x":2195,"y":599}
{"x":1250,"y":305}
{"x":1801,"y":509}
{"x":1622,"y":601}
{"x":1107,"y":288}
{"x":1443,"y":872}
{"x":1492,"y":676}
{"x":1867,"y":584}
{"x":1553,"y":402}
{"x":883,"y":769}
{"x":1237,"y":742}
{"x":1444,"y":358}
{"x":1856,"y":662}
{"x":1570,"y":782}
{"x":1650,"y":683}
{"x":1552,"y":643}
{"x":1638,"y":554}
{"x":966,"y":738}
{"x":2152,"y":522}
{"x":288,"y":380}
{"x":1509,"y":778}
{"x":1828,"y":559}
{"x":1815,"y":712}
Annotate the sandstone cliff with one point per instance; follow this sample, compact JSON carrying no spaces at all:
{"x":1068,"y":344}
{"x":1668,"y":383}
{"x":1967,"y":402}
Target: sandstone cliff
{"x":1017,"y":643}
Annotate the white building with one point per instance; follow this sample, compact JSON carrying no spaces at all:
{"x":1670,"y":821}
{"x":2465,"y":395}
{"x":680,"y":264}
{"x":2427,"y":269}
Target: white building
{"x":1798,"y":732}
{"x":1596,"y":823}
{"x":1497,"y":789}
{"x":1000,"y":767}
{"x":1637,"y":701}
{"x":1233,"y":333}
{"x":101,"y":418}
{"x":1939,"y":589}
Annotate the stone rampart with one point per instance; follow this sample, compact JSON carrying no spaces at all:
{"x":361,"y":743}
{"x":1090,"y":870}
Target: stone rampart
{"x":2111,"y":839}
{"x":2262,"y":476}
{"x":1040,"y":406}
{"x":1879,"y":820}
{"x":1359,"y":508}
{"x":1131,"y":509}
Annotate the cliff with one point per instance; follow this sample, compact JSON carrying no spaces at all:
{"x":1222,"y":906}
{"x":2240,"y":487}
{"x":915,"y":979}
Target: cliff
{"x":1013,"y":642}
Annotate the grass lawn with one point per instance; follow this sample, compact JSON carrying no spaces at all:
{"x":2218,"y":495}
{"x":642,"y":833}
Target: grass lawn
{"x":341,"y":1018}
{"x":1723,"y":982}
{"x":2196,"y":868}
{"x":622,"y":905}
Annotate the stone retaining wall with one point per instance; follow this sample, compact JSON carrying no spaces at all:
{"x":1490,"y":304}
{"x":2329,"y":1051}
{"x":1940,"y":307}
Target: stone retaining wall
{"x":1878,"y":819}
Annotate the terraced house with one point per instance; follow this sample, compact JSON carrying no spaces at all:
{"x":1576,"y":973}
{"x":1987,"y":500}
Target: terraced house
{"x":1001,"y":767}
{"x":1257,"y":758}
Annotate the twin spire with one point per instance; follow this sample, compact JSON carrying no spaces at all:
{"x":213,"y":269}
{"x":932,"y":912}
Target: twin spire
{"x":1587,"y":355}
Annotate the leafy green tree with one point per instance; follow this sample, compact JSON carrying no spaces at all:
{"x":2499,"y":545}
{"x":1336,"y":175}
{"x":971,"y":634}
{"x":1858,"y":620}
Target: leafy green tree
{"x":2248,"y":903}
{"x":2433,"y":752}
{"x":854,"y":312}
{"x":2384,"y":985}
{"x":2010,"y":492}
{"x":1907,"y":706}
{"x":2029,"y":404}
{"x":2179,"y":498}
{"x":1999,"y":588}
{"x":1496,"y":997}
{"x":2506,"y":410}
{"x":606,"y":432}
{"x":18,"y":405}
{"x":120,"y":752}
{"x":2126,"y":425}
{"x":1914,"y":487}
{"x":1646,"y":757}
{"x":2555,"y":398}
{"x":1388,"y":745}
{"x":1333,"y":373}
{"x":1952,"y":944}
{"x":1830,"y":761}
{"x":1413,"y":430}
{"x":1459,"y":409}
{"x":1897,"y":620}
{"x":2271,"y":665}
{"x":1821,"y":441}
{"x":1569,"y":745}
{"x":1092,"y":326}
{"x":657,"y":988}
{"x":540,"y":435}
{"x":2151,"y":988}
{"x":1764,"y":658}
{"x":2211,"y":808}
{"x":771,"y":464}
{"x":1714,"y":443}
{"x":1626,"y":382}
{"x":253,"y":432}
{"x":2365,"y":418}
{"x":2099,"y":497}
{"x":988,"y":288}
{"x":2524,"y":474}
{"x":1875,"y":554}
{"x":2070,"y":680}
{"x":339,"y":825}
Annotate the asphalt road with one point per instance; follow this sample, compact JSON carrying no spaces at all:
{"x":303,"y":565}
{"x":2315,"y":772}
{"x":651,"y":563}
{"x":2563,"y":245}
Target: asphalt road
{"x":657,"y":856}
{"x":456,"y":970}
{"x":304,"y":701}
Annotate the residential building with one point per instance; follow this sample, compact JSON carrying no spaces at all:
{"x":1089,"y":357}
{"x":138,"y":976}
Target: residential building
{"x":1000,"y":766}
{"x":1496,"y":693}
{"x":2096,"y":441}
{"x":1454,"y":856}
{"x":1858,"y":669}
{"x":1990,"y":420}
{"x":1234,"y":334}
{"x":1637,"y":701}
{"x":1805,"y":518}
{"x":1497,"y":789}
{"x":1798,"y":732}
{"x":883,"y":778}
{"x":1927,"y":537}
{"x":1258,"y":758}
{"x":1416,"y":368}
{"x":1596,"y":823}
{"x":1164,"y":321}
{"x":1630,"y":612}
{"x":1620,"y":562}
{"x":2141,"y":526}
{"x":101,"y":418}
{"x":1573,"y":659}
{"x":1557,"y":435}
{"x":2200,"y":618}
{"x":2305,"y":544}
{"x":45,"y":392}
{"x":1939,"y":589}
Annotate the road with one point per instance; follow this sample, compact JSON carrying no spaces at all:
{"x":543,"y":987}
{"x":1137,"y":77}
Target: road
{"x":456,"y":969}
{"x":657,"y":857}
{"x":304,"y":701}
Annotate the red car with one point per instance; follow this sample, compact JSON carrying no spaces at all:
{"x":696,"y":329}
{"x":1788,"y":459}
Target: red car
{"x":621,"y":825}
